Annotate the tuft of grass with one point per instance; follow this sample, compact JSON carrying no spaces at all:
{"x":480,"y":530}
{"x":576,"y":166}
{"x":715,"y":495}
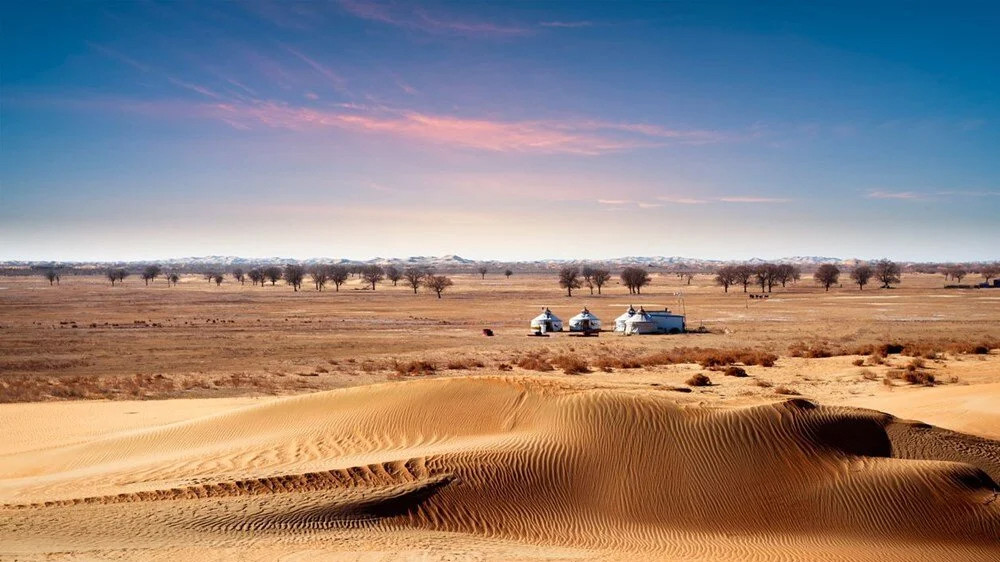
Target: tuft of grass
{"x":868,"y":375}
{"x":786,"y":391}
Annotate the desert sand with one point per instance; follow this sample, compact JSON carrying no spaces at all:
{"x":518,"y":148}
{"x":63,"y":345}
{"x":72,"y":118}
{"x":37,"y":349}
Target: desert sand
{"x":492,"y":460}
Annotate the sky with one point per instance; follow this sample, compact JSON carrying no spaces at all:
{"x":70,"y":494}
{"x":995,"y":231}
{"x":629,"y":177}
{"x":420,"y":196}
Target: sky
{"x":502,"y":130}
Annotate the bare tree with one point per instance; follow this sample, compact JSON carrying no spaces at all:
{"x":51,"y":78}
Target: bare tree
{"x":958,"y":272}
{"x":373,"y":274}
{"x":725,"y":277}
{"x":483,"y":270}
{"x":861,"y":275}
{"x":587,"y":273}
{"x":219,"y":278}
{"x":989,"y":271}
{"x":150,"y":273}
{"x":508,"y":273}
{"x":887,"y":272}
{"x":784,"y":273}
{"x":437,"y":283}
{"x":272,"y":273}
{"x":765,"y":275}
{"x":240,"y":276}
{"x":210,"y":276}
{"x":569,"y":279}
{"x":52,"y":275}
{"x":415,"y":277}
{"x":116,"y":275}
{"x":320,"y":275}
{"x":256,"y":276}
{"x":599,"y":277}
{"x":294,"y":274}
{"x":173,"y":278}
{"x":742,"y":274}
{"x":826,"y":275}
{"x":338,"y":275}
{"x":635,"y":278}
{"x":392,"y":273}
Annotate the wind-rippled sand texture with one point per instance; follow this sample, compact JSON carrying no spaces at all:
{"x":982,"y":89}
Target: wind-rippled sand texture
{"x":486,"y":466}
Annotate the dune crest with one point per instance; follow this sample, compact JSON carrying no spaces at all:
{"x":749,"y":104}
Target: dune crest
{"x":526,"y":459}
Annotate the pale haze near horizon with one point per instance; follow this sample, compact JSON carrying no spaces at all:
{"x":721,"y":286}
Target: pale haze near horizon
{"x":499,"y":131}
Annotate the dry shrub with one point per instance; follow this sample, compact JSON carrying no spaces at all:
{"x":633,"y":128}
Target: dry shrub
{"x":571,"y":365}
{"x":463,"y":364}
{"x":811,"y":351}
{"x":786,"y":391}
{"x":762,"y":383}
{"x":858,"y":362}
{"x":706,"y":357}
{"x":868,"y":375}
{"x":414,"y":368}
{"x":505,"y":367}
{"x":876,"y":359}
{"x":534,"y":363}
{"x":919,"y":377}
{"x":915,"y":363}
{"x":895,"y":374}
{"x":734,"y":371}
{"x":699,"y":380}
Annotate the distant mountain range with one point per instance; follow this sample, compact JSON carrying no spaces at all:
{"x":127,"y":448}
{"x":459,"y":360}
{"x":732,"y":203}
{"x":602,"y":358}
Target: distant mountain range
{"x":447,"y":262}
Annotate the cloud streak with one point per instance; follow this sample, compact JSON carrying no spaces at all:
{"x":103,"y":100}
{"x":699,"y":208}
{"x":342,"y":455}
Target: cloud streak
{"x":898,"y":195}
{"x":417,"y":19}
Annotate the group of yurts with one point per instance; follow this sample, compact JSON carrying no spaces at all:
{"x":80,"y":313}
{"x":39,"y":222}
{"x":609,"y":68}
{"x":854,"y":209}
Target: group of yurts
{"x":631,"y":322}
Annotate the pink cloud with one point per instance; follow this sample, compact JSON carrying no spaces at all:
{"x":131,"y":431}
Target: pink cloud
{"x":683,"y":200}
{"x":544,"y":136}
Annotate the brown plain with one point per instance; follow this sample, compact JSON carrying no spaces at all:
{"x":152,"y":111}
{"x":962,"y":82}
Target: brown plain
{"x":205,"y":436}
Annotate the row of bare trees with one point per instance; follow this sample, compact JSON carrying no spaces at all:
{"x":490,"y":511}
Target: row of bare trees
{"x":767,"y":275}
{"x":886,"y":272}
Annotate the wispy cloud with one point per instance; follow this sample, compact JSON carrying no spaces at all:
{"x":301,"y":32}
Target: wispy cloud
{"x":968,"y":193}
{"x":337,"y":80}
{"x":614,"y":201}
{"x":540,"y":136}
{"x":197,"y":88}
{"x":407,"y":17}
{"x":683,"y":200}
{"x":745,"y":199}
{"x":566,"y":24}
{"x":901,"y":195}
{"x":121,"y":57}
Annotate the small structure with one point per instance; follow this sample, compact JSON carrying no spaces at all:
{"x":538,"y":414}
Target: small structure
{"x":546,"y":322}
{"x":585,"y":322}
{"x":656,"y":322}
{"x":667,"y":322}
{"x":620,"y":321}
{"x":640,"y":323}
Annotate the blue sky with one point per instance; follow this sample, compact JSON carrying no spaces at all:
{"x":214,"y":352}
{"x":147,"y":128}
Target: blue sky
{"x":517,"y":130}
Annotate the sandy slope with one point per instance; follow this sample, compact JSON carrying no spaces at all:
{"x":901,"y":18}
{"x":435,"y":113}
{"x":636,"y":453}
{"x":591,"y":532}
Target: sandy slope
{"x":497,"y":467}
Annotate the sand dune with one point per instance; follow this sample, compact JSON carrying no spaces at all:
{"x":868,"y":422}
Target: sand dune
{"x":548,"y":466}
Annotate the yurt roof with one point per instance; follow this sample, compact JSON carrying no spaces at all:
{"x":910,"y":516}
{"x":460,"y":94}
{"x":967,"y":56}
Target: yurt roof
{"x":547,"y":315}
{"x":628,"y":314}
{"x":584,"y":315}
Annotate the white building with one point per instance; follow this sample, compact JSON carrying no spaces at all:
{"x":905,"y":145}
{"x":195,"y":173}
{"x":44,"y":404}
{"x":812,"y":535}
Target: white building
{"x":584,"y":322}
{"x":546,"y":322}
{"x":656,"y":322}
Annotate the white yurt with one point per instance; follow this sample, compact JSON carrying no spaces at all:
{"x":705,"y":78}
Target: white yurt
{"x":640,"y":323}
{"x":546,"y":322}
{"x":584,"y":322}
{"x":620,"y":321}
